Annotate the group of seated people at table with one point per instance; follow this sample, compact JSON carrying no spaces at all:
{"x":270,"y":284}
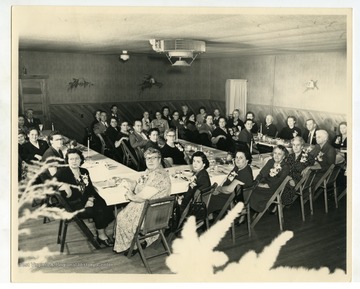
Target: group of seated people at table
{"x":155,"y":181}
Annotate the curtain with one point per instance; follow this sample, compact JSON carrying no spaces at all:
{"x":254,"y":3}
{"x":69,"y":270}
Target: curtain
{"x":236,"y":95}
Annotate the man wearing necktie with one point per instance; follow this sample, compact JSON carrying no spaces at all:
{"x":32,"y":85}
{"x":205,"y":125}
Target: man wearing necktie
{"x":310,"y":135}
{"x":30,"y":120}
{"x":138,"y":139}
{"x":100,"y":129}
{"x":53,"y":154}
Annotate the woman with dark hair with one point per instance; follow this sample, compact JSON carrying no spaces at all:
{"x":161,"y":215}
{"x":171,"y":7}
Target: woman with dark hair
{"x":200,"y":179}
{"x":290,"y":131}
{"x":191,"y":131}
{"x":154,"y":184}
{"x":80,"y":193}
{"x":200,"y":117}
{"x":241,"y":174}
{"x":34,"y":148}
{"x":255,"y":127}
{"x":270,"y":178}
{"x":340,"y":140}
{"x":21,"y":124}
{"x":165,"y":111}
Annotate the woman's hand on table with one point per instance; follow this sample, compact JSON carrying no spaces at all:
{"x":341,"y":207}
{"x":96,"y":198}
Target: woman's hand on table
{"x":67,"y":189}
{"x":262,"y":185}
{"x":38,"y":157}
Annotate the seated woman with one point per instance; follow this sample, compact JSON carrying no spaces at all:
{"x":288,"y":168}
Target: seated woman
{"x":21,"y":124}
{"x":298,"y":161}
{"x":177,"y":123}
{"x":159,"y":123}
{"x":81,"y":194}
{"x":191,"y":131}
{"x":200,"y":117}
{"x":269,"y":179}
{"x":35,"y":148}
{"x":235,"y":123}
{"x":153,"y":139}
{"x":221,"y":137}
{"x":206,"y":130}
{"x":172,"y":151}
{"x":154,"y":184}
{"x":200,"y":180}
{"x":255,"y":127}
{"x":290,"y":131}
{"x":241,"y":174}
{"x":340,"y":140}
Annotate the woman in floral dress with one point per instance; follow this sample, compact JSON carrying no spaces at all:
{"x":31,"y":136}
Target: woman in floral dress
{"x":298,"y":161}
{"x":269,"y":178}
{"x":154,"y":184}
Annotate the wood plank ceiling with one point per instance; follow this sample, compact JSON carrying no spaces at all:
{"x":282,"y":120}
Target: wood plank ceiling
{"x":227,"y":32}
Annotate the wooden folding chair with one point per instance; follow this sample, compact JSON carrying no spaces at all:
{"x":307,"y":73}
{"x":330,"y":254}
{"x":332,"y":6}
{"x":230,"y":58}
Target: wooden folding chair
{"x":229,"y":205}
{"x":275,"y":198}
{"x":153,"y":221}
{"x":328,"y":181}
{"x":61,"y":238}
{"x":183,"y":216}
{"x":129,"y":158}
{"x":301,"y":187}
{"x":205,"y":197}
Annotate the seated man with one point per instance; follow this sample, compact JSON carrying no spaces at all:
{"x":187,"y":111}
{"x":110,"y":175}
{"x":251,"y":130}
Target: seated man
{"x":309,"y":135}
{"x":173,"y":152}
{"x":100,"y":128}
{"x":324,"y":155}
{"x":206,"y":130}
{"x":56,"y":142}
{"x":255,"y":127}
{"x":269,"y":128}
{"x":30,"y":120}
{"x":177,"y":123}
{"x":138,"y":139}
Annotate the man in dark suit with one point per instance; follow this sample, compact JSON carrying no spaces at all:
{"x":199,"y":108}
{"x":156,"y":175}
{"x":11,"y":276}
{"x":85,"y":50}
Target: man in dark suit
{"x":138,"y":139}
{"x":100,"y":128}
{"x":309,"y":135}
{"x":324,"y":155}
{"x":30,"y":120}
{"x":114,"y":112}
{"x":56,"y":142}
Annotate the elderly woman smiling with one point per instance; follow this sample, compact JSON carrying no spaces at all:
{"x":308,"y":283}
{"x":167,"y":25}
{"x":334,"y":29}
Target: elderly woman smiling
{"x":154,"y":184}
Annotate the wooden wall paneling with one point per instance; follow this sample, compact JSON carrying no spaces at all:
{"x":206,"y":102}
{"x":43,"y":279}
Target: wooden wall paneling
{"x":72,"y":119}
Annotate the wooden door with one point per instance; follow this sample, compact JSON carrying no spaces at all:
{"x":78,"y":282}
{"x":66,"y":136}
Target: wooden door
{"x":33,"y":94}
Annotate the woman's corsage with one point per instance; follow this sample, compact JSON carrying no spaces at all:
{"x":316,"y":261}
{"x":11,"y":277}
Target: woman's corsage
{"x":305,"y":155}
{"x":319,"y":157}
{"x":85,"y":179}
{"x":179,"y":147}
{"x":192,"y":183}
{"x":232,"y":176}
{"x":338,"y":140}
{"x":275,"y":170}
{"x":142,"y":179}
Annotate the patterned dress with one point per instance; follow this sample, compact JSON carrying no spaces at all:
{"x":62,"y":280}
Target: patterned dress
{"x":297,"y":165}
{"x":128,"y":218}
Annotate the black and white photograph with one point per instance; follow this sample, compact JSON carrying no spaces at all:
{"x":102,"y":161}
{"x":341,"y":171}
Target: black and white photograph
{"x":181,"y":143}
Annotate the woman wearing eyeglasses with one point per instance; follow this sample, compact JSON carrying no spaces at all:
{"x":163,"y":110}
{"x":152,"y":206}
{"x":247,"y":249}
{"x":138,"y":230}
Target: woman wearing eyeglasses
{"x":154,"y":184}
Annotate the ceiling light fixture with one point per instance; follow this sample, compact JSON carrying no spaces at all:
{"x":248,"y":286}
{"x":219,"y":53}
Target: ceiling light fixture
{"x":124,"y":56}
{"x":180,"y":49}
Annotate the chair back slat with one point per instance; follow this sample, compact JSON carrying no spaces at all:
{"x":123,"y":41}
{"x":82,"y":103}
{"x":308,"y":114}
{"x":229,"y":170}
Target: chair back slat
{"x":129,"y":158}
{"x":156,"y":214}
{"x":325,"y":177}
{"x":334,"y":174}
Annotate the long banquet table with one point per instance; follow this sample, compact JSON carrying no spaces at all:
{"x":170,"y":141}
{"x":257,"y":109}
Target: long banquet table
{"x":106,"y":174}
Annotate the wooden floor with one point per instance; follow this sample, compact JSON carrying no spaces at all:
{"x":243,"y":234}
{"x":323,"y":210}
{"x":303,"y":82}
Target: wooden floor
{"x":320,"y":241}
